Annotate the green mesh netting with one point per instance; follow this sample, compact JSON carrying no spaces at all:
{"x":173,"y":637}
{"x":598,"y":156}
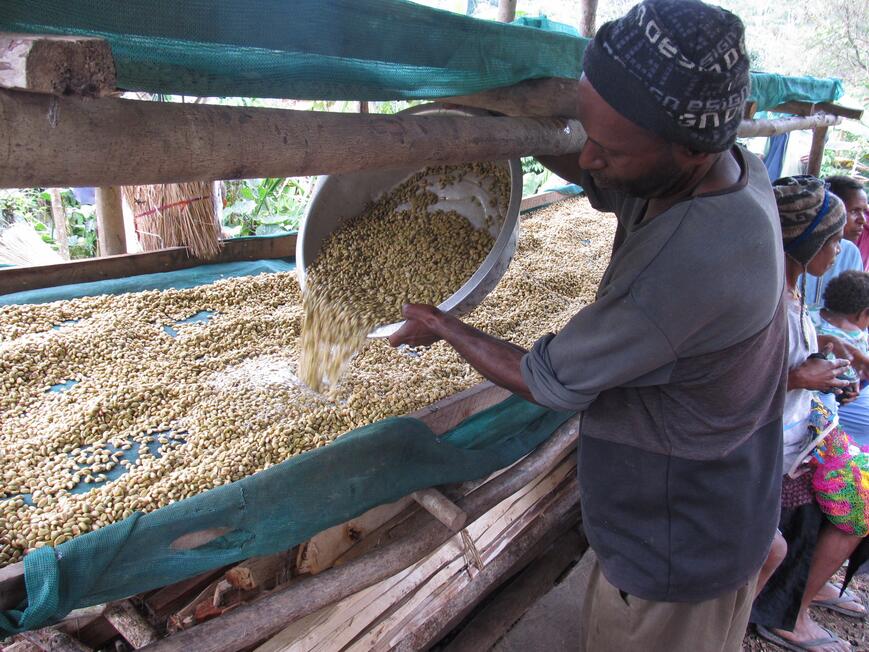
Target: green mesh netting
{"x":331,"y":49}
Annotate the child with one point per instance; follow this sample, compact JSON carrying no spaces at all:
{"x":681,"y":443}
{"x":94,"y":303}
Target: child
{"x":845,"y":315}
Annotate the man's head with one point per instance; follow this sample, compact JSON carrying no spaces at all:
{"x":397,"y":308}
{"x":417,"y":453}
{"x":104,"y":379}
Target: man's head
{"x":663,"y":90}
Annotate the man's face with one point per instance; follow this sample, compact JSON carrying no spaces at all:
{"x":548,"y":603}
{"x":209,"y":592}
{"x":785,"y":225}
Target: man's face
{"x":622,"y":155}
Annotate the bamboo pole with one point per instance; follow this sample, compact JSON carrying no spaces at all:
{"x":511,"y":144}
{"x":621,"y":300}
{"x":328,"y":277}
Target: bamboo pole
{"x":110,"y":221}
{"x":58,"y":213}
{"x":506,"y":11}
{"x":753,"y":128}
{"x":253,"y":622}
{"x":52,"y":141}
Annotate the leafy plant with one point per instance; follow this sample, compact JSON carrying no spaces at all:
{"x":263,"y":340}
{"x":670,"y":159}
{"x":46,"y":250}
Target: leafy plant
{"x":534,"y":176}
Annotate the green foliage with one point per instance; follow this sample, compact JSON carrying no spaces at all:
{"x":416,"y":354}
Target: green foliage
{"x":534,"y":176}
{"x":266,"y":206}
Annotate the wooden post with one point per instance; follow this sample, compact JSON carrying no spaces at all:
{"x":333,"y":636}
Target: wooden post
{"x":167,"y":142}
{"x":60,"y":65}
{"x":587,"y":18}
{"x":752,"y":128}
{"x":110,"y":221}
{"x":363,"y":107}
{"x":816,"y":155}
{"x":58,"y":213}
{"x":506,"y":11}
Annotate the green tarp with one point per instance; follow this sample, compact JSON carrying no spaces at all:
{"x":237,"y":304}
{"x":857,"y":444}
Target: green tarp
{"x":330,"y":49}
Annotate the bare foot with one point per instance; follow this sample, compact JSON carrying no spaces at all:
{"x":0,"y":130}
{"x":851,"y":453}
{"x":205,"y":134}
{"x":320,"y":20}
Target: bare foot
{"x":829,"y":593}
{"x":808,"y":630}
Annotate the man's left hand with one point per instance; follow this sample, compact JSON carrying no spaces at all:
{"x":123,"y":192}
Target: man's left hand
{"x":420,"y":327}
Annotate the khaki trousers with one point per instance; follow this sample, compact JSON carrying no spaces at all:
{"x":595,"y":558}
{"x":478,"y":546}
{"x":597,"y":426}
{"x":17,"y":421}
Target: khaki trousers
{"x":613,"y":624}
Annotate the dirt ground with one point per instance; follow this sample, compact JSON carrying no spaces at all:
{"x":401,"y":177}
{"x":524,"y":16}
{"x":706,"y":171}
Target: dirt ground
{"x":849,"y":629}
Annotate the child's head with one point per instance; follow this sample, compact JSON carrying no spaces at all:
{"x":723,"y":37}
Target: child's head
{"x":853,"y":195}
{"x":848,"y":294}
{"x":812,"y":219}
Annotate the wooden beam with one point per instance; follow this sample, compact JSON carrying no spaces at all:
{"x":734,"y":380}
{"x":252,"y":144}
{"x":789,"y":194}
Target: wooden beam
{"x":587,"y":18}
{"x":59,"y":65}
{"x":809,"y":108}
{"x":129,"y":142}
{"x":18,"y":279}
{"x":753,"y":128}
{"x":130,"y":624}
{"x":816,"y":154}
{"x":506,"y":11}
{"x":110,"y":221}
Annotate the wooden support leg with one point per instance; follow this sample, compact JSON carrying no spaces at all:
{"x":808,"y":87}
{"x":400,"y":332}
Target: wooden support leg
{"x":816,"y":156}
{"x":110,"y":221}
{"x":442,"y":508}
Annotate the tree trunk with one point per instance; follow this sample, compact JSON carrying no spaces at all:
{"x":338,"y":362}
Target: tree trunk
{"x":110,"y":221}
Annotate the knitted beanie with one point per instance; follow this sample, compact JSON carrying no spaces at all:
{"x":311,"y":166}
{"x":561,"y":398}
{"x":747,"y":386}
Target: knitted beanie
{"x":809,"y":215}
{"x":675,"y":67}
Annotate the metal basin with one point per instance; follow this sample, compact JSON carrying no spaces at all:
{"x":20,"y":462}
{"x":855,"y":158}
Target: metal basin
{"x":339,"y":197}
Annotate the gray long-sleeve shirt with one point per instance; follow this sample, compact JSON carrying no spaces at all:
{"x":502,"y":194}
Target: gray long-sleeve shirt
{"x":679,"y":367}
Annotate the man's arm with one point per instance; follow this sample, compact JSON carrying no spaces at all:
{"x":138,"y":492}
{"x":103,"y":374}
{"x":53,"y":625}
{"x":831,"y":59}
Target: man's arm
{"x":497,"y":360}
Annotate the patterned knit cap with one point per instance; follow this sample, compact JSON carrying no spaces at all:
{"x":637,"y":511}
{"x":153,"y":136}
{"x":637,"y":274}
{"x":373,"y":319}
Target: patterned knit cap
{"x":809,"y":215}
{"x":678,"y":68}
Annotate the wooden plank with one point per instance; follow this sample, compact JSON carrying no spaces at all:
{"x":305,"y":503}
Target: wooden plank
{"x":511,"y":602}
{"x":59,"y":65}
{"x":130,"y":624}
{"x":166,"y":142}
{"x":167,"y":600}
{"x":809,"y":108}
{"x":816,"y":154}
{"x":110,"y":221}
{"x":53,"y":640}
{"x":542,"y":199}
{"x":447,"y":413}
{"x":12,"y":589}
{"x":17,"y":279}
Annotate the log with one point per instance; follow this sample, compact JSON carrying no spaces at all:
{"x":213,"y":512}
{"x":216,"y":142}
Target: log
{"x":131,"y":625}
{"x":553,"y":96}
{"x":110,"y":221}
{"x":816,"y":154}
{"x":253,"y":622}
{"x":755,"y":128}
{"x":59,"y":65}
{"x":18,"y":279}
{"x":506,"y":11}
{"x":169,"y":142}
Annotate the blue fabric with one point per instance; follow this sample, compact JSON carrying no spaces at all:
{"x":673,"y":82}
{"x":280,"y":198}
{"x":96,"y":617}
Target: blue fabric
{"x":182,"y":278}
{"x":848,"y":258}
{"x":775,"y":155}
